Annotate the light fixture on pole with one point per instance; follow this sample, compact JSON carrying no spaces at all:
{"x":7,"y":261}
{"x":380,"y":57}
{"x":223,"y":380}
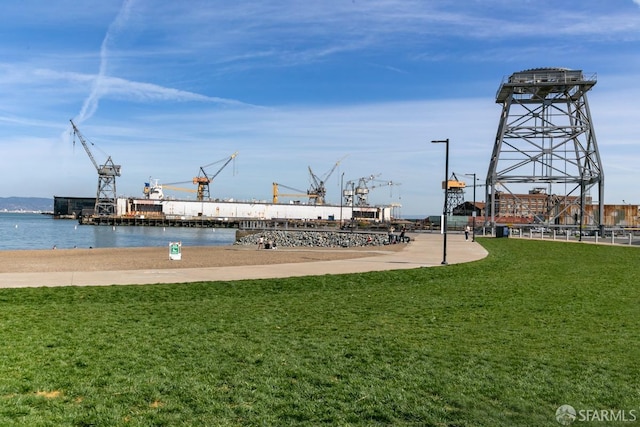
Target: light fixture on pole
{"x":446,"y":197}
{"x":473,"y":235}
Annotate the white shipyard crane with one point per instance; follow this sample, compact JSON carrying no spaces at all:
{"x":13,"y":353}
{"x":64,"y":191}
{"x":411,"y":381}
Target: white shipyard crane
{"x":359,"y":195}
{"x":107,"y":173}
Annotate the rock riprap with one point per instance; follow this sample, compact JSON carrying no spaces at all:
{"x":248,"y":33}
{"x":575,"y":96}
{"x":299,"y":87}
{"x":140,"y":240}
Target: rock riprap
{"x":322,"y":239}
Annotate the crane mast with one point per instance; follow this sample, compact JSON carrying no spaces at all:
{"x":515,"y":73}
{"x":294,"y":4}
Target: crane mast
{"x":106,"y":195}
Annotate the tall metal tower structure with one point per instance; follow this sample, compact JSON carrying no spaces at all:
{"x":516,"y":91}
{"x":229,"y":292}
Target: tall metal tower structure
{"x":106,"y":199}
{"x":455,"y":193}
{"x":546,"y":138}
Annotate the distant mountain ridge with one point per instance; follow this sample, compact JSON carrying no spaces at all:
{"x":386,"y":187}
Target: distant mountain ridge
{"x":29,"y":204}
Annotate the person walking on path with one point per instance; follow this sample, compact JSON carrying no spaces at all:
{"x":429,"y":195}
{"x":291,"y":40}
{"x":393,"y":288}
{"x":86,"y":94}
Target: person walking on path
{"x":260,"y":242}
{"x":467,"y":229}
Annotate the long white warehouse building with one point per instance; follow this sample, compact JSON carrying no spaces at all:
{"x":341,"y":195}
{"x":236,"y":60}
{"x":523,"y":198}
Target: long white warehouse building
{"x":170,"y":208}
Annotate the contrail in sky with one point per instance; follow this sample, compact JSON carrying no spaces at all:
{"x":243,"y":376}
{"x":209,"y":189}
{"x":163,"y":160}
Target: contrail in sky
{"x":103,"y":83}
{"x":91,"y":103}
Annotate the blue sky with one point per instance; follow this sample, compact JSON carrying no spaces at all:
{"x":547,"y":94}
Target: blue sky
{"x":165,"y":87}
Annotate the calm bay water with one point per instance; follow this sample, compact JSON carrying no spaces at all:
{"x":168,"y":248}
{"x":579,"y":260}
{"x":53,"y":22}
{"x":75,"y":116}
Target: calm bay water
{"x":35,"y":231}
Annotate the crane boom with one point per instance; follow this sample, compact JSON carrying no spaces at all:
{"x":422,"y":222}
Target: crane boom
{"x":108,"y":169}
{"x":233,"y":156}
{"x":77,"y":133}
{"x":333,"y":169}
{"x":300,"y":193}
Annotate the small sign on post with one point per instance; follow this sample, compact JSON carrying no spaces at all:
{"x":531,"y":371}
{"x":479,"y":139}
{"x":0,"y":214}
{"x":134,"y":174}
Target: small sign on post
{"x":174,"y":250}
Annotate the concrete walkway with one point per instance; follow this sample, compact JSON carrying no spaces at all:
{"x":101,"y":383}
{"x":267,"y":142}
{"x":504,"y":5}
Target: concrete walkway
{"x":426,"y":250}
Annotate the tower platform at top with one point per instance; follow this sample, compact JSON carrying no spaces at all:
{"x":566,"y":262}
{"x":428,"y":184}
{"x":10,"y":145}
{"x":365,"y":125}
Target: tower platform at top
{"x":537,"y":83}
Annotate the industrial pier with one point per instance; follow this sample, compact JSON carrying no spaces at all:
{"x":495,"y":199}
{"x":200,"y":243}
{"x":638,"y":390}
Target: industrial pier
{"x":204,"y":222}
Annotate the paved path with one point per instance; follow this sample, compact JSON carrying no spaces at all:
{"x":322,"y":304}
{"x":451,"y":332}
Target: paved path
{"x":425,"y":251}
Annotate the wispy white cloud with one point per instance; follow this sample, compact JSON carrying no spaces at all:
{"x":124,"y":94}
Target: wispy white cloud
{"x":90,"y":105}
{"x":393,"y":21}
{"x":117,"y":88}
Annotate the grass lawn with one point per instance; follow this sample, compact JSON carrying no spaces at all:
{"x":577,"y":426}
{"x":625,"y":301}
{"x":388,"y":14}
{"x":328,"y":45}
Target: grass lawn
{"x":499,"y":342}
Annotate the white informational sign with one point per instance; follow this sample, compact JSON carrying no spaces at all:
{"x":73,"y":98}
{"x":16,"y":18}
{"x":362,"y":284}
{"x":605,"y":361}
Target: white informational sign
{"x":175,"y":250}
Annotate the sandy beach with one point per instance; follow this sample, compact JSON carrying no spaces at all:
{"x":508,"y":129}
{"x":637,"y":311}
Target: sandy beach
{"x":111,"y":259}
{"x":152,"y":265}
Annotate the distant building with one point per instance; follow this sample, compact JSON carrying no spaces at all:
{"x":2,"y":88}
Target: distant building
{"x":467,"y":209}
{"x":73,"y":207}
{"x":537,"y":207}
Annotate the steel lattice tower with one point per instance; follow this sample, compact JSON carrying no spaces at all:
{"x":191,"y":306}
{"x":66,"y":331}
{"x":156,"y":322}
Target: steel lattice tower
{"x":545,"y":137}
{"x":455,"y":193}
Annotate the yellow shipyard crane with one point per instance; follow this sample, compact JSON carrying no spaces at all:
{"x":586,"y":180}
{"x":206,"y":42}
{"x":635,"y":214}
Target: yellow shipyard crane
{"x":203,"y":180}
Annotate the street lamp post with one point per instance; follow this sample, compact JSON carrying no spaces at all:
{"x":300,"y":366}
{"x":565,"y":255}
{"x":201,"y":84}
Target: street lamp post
{"x":353,"y":196}
{"x":446,"y":197}
{"x":473,"y":234}
{"x":341,"y":197}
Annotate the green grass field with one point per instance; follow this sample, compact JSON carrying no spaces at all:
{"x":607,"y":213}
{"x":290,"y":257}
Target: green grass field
{"x":499,"y":342}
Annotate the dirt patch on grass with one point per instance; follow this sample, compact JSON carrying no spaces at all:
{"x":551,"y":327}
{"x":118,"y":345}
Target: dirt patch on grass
{"x":53,"y":394}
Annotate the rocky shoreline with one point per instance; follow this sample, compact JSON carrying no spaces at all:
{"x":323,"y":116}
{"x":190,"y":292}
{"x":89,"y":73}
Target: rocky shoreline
{"x":315,"y":239}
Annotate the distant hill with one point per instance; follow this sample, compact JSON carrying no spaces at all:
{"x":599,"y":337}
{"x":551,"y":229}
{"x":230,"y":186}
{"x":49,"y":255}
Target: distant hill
{"x":29,"y":204}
